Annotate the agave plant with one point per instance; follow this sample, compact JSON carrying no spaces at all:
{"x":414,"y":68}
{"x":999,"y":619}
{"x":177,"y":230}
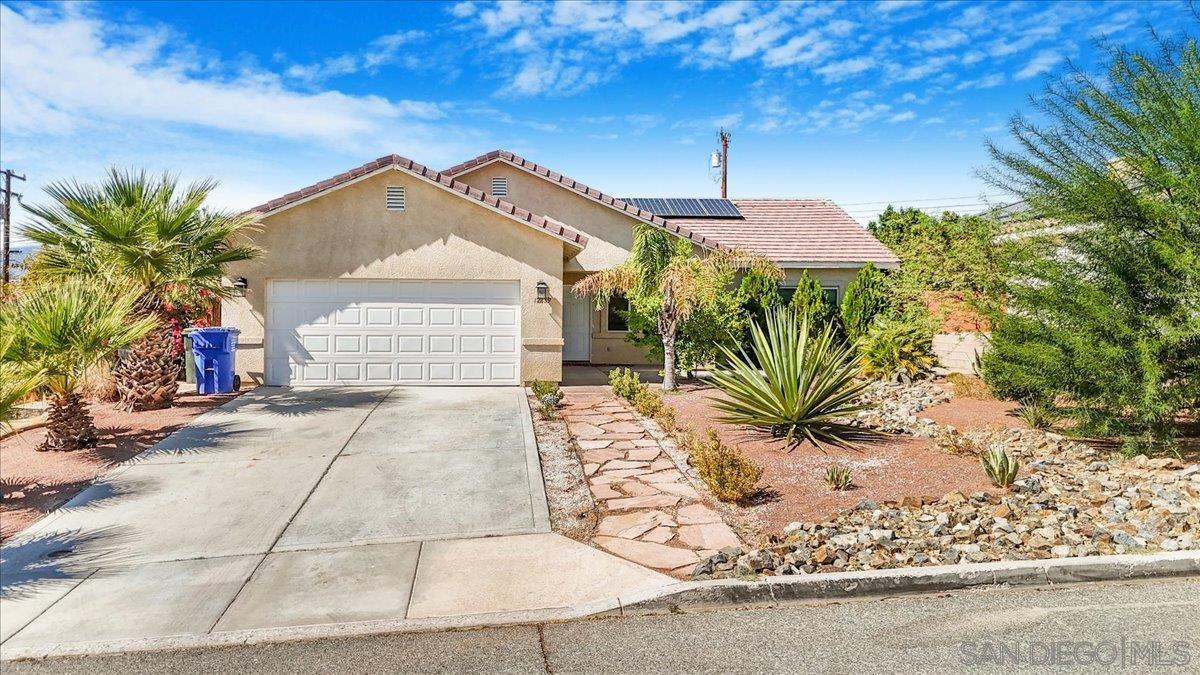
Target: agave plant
{"x":1001,"y":468}
{"x":146,"y":231}
{"x":60,"y":328}
{"x":806,"y":382}
{"x":838,"y":477}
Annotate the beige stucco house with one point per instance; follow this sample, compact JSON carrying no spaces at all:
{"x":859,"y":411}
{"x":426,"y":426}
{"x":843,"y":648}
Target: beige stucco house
{"x":395,"y":273}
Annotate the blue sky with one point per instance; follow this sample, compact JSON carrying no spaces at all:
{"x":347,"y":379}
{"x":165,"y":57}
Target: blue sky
{"x":855,"y":101}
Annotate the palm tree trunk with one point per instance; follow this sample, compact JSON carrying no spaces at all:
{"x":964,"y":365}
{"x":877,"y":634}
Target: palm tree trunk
{"x":147,"y":371}
{"x":70,"y":426}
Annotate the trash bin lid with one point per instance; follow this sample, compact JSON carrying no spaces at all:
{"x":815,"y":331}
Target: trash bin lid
{"x":215,"y":330}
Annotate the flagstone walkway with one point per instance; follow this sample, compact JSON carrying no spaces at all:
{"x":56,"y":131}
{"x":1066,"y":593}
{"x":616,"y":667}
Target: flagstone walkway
{"x":650,"y":514}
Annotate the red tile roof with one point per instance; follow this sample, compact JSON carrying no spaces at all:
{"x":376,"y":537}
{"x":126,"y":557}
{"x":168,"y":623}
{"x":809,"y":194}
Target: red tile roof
{"x":795,"y":231}
{"x":590,"y":192}
{"x":545,"y":223}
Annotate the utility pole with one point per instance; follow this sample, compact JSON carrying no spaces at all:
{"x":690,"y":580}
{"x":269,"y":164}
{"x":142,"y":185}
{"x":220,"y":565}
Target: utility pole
{"x":8,"y":197}
{"x":723,"y":136}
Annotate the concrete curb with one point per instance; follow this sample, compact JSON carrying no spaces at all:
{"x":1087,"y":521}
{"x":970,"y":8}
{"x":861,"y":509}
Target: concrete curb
{"x":690,"y":596}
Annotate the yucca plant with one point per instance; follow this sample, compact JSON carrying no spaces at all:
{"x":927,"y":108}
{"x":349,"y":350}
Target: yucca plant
{"x":148,"y":232}
{"x":1038,"y":413}
{"x":805,"y":384}
{"x":1001,"y":468}
{"x":60,"y":328}
{"x":838,"y":477}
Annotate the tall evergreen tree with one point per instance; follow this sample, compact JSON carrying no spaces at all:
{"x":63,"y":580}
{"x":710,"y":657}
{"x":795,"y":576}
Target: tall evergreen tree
{"x":811,"y":303}
{"x":866,"y":298}
{"x":1106,"y":318}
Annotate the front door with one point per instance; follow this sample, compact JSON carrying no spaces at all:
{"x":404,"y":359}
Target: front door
{"x":577,"y":328}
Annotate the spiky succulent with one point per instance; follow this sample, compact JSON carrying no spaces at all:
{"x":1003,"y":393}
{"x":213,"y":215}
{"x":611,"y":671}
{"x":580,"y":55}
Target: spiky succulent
{"x":1001,"y":468}
{"x":838,"y":477}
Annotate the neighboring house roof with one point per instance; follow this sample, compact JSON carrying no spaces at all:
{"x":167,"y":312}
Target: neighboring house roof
{"x":584,"y":190}
{"x":441,"y":179}
{"x":796,"y":233}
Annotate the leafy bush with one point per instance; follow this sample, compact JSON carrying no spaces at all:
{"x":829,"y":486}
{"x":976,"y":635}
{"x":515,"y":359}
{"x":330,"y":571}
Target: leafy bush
{"x":1001,"y":468}
{"x":542,"y":387}
{"x":866,"y":298}
{"x":548,"y":405}
{"x":666,"y":418}
{"x":1038,"y":413}
{"x":729,"y":474}
{"x":811,"y":303}
{"x":647,"y":402}
{"x":625,"y":383}
{"x":806,"y":382}
{"x":896,"y":346}
{"x":1104,"y":312}
{"x":838,"y":477}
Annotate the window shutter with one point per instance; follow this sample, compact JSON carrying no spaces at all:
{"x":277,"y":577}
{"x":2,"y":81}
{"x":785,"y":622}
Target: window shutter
{"x":499,"y":187}
{"x":395,"y":198}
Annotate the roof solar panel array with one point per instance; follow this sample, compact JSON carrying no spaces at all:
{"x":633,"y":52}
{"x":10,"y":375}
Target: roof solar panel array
{"x":676,"y":207}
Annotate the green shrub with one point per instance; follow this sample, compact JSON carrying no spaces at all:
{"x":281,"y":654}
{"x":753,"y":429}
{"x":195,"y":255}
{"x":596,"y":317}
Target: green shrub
{"x":548,"y":406}
{"x":811,"y":303}
{"x":625,"y":383}
{"x":1001,"y":468}
{"x":729,"y":474}
{"x":647,"y":402}
{"x":805,"y":383}
{"x":838,"y":477}
{"x":866,"y":299}
{"x":666,"y":418}
{"x":895,"y":346}
{"x":542,"y":387}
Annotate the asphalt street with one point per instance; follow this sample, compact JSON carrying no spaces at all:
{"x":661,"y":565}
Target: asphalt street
{"x":1101,"y":627}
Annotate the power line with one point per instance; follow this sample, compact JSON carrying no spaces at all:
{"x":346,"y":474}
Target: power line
{"x":931,"y":199}
{"x":976,"y":205}
{"x":6,"y":214}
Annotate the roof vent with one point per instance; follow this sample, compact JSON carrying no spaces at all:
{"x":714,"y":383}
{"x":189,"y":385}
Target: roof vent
{"x":499,"y":187}
{"x":395,"y":198}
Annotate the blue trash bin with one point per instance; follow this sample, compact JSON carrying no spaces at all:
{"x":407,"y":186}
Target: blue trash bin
{"x":215,"y":350}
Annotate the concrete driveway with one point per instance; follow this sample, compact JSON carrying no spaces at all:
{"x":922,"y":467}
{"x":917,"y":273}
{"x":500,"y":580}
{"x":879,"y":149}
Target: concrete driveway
{"x":292,"y":507}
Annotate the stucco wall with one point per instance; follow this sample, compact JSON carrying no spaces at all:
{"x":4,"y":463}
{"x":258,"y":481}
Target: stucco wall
{"x":839,"y":277}
{"x":610,"y":233}
{"x":349,"y":234}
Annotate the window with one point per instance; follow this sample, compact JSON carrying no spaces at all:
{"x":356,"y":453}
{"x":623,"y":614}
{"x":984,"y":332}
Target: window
{"x":831,"y":294}
{"x":499,"y":187}
{"x":395,"y":198}
{"x":615,"y":319}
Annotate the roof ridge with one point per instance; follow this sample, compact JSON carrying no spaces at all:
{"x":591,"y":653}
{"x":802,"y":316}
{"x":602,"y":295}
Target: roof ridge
{"x":592,"y":193}
{"x":550,"y":225}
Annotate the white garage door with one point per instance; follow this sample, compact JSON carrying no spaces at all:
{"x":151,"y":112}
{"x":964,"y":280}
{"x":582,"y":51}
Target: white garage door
{"x":384,"y":331}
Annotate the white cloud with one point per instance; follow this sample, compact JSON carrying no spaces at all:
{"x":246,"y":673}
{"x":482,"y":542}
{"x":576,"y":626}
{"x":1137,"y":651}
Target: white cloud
{"x":985,"y":82}
{"x":1043,"y":62}
{"x":939,"y":39}
{"x":63,"y":70}
{"x":902,"y":117}
{"x":807,"y":48}
{"x":463,"y":10}
{"x":840,"y":70}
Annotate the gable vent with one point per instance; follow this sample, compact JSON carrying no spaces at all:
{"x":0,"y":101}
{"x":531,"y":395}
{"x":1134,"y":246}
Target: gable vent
{"x":499,"y":187}
{"x":395,"y":198}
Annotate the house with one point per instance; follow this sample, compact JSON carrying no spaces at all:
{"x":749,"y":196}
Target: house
{"x":395,"y":273}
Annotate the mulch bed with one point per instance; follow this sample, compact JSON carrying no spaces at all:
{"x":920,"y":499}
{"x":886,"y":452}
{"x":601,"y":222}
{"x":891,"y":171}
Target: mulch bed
{"x":35,"y":483}
{"x":890,"y":468}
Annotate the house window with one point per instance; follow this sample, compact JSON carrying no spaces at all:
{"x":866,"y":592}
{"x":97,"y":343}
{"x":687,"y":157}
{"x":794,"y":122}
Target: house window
{"x":395,"y":198}
{"x":499,"y":187}
{"x":831,"y":294}
{"x":615,"y":320}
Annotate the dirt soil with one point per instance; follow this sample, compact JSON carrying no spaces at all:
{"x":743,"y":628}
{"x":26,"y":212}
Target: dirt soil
{"x":890,"y":468}
{"x":35,"y":483}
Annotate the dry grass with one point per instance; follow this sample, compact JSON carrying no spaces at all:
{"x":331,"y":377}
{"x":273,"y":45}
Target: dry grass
{"x":98,"y":384}
{"x":729,"y":474}
{"x":969,"y":386}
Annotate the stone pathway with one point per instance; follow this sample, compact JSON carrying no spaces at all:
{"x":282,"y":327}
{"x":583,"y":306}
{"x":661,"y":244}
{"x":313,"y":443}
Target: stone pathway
{"x":650,"y":514}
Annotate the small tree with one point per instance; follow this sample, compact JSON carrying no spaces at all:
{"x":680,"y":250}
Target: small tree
{"x":866,"y":298}
{"x":664,"y":272}
{"x":60,"y":328}
{"x":811,"y":303}
{"x":1106,"y":320}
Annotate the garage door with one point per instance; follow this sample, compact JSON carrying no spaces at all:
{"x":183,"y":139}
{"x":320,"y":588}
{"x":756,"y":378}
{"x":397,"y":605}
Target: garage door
{"x":384,"y":331}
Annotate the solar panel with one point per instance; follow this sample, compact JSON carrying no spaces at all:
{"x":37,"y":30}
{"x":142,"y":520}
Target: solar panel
{"x":686,"y":207}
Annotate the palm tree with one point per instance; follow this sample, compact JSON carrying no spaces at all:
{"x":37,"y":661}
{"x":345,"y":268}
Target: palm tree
{"x":16,"y":379}
{"x":58,"y":329}
{"x":146,"y":231}
{"x":665,"y":267}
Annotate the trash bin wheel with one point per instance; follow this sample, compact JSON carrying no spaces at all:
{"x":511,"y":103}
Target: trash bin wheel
{"x":237,"y":382}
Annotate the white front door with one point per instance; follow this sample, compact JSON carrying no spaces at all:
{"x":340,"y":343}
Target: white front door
{"x":391,"y":331}
{"x":577,"y":328}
